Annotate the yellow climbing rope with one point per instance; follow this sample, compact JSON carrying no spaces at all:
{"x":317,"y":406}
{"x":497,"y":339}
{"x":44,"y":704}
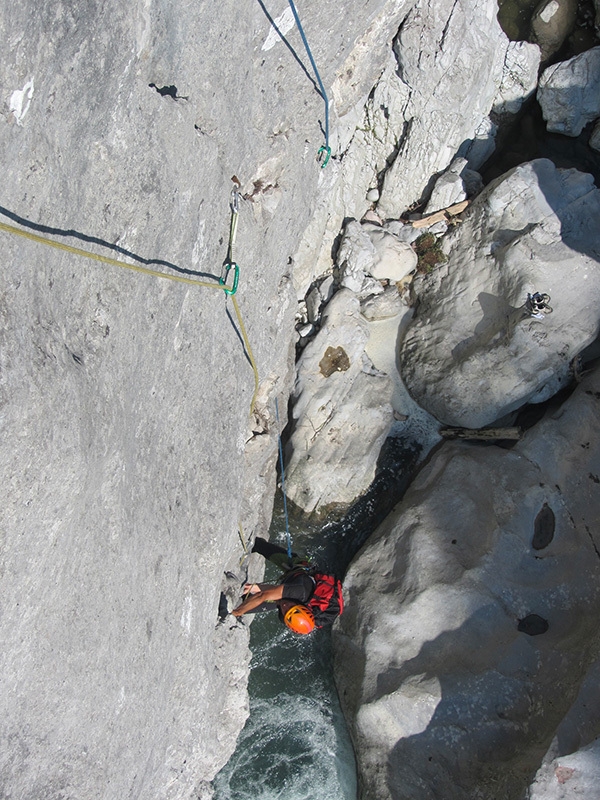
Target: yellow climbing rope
{"x":248,"y":349}
{"x":145,"y":271}
{"x":104,"y":259}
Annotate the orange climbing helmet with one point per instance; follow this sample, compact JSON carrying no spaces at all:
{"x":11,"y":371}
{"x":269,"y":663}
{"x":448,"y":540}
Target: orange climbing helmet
{"x":299,"y":619}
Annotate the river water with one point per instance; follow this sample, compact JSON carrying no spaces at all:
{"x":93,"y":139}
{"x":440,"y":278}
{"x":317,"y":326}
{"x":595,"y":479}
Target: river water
{"x":295,"y":745}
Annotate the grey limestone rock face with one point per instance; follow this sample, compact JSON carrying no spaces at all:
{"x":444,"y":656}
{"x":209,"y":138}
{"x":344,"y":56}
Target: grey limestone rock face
{"x":129,"y":458}
{"x":440,"y":70}
{"x":472,"y":353}
{"x":450,"y":57}
{"x":519,"y":77}
{"x":569,"y":93}
{"x":449,"y":187}
{"x":471,"y":616}
{"x":341,"y":412}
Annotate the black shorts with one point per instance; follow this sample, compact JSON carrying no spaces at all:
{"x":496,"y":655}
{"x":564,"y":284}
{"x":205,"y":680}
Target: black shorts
{"x":298,"y":587}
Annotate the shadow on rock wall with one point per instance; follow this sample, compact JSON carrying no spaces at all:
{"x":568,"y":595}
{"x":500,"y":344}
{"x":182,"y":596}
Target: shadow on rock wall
{"x":115,"y":248}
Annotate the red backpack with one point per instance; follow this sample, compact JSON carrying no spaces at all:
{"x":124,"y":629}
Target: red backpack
{"x":327,"y":601}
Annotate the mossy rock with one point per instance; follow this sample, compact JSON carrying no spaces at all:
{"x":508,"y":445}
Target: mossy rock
{"x":429,"y":253}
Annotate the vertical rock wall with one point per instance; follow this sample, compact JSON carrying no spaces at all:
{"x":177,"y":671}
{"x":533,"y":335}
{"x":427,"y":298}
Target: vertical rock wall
{"x":129,"y":459}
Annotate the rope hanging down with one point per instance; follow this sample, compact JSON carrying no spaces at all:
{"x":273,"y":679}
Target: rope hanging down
{"x":325,"y":149}
{"x":285,"y":511}
{"x":153,"y":273}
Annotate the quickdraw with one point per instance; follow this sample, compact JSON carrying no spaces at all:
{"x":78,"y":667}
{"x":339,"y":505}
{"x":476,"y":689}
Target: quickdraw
{"x":229,"y":263}
{"x":325,"y":149}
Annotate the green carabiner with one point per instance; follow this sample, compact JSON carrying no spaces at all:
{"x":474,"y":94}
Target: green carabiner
{"x":225,"y":274}
{"x":327,"y":151}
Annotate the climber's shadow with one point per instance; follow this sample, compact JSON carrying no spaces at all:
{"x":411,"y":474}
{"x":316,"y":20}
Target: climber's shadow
{"x":499,"y":317}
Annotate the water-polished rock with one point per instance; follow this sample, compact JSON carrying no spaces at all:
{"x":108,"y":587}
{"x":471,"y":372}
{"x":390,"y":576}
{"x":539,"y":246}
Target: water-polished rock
{"x":341,"y":412}
{"x":462,"y":646}
{"x":569,"y":93}
{"x":551,"y":23}
{"x":473,"y":352}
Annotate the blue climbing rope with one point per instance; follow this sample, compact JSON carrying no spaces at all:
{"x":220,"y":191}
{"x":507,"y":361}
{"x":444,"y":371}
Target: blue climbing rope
{"x":326,"y":149}
{"x":285,"y":511}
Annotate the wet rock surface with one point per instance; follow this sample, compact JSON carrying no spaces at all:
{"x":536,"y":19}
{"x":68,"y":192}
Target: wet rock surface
{"x":551,"y":23}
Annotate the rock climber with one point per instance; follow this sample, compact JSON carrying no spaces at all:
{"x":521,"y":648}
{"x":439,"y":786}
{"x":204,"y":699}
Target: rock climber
{"x":289,"y":596}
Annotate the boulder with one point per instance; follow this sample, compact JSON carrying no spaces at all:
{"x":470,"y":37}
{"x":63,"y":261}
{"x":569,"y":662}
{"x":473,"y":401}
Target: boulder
{"x":551,"y":23}
{"x":382,"y":306}
{"x":468,"y":607}
{"x":569,"y":93}
{"x":394,"y":259}
{"x":355,"y":257}
{"x":341,"y":412}
{"x":473,"y":352}
{"x":368,"y":251}
{"x":404,"y":232}
{"x":449,"y":187}
{"x":313,"y":304}
{"x":519,"y":77}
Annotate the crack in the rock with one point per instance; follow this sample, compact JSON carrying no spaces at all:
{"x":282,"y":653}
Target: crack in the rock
{"x":592,"y":541}
{"x":447,"y":25}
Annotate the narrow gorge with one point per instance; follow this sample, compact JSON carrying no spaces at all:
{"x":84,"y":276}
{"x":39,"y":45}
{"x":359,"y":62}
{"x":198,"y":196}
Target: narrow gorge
{"x":400,"y":252}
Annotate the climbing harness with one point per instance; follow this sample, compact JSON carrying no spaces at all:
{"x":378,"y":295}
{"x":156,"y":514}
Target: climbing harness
{"x":325,"y":150}
{"x":285,"y":511}
{"x":221,"y":285}
{"x":537,"y":306}
{"x":230,"y":262}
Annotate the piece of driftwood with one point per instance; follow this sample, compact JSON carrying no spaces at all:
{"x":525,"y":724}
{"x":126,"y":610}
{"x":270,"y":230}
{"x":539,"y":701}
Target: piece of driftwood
{"x":444,"y":214}
{"x":483,"y":433}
